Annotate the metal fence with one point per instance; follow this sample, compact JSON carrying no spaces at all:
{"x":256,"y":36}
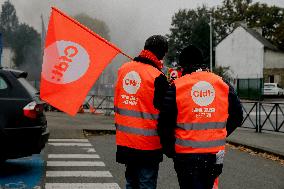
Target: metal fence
{"x":258,"y":115}
{"x":251,"y":89}
{"x":99,"y":104}
{"x":261,"y":116}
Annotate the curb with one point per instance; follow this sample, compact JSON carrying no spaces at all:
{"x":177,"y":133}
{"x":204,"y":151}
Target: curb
{"x":257,"y":149}
{"x":96,"y":132}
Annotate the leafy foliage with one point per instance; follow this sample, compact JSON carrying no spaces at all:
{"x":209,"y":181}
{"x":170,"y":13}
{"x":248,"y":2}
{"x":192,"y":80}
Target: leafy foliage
{"x":192,"y":26}
{"x":27,"y":47}
{"x":23,"y":39}
{"x":227,"y":15}
{"x":279,"y":35}
{"x":223,"y":72}
{"x":268,"y":18}
{"x":93,"y":24}
{"x":189,"y":27}
{"x":8,"y":22}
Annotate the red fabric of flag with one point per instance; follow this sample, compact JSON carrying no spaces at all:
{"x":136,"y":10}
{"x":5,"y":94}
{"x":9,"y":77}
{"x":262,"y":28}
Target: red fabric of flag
{"x":74,"y":58}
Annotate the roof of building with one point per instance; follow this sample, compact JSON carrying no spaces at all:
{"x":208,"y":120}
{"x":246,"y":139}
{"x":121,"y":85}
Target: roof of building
{"x":260,"y":38}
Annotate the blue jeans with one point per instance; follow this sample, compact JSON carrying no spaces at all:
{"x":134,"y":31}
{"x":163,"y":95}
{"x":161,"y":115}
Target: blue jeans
{"x":141,"y":176}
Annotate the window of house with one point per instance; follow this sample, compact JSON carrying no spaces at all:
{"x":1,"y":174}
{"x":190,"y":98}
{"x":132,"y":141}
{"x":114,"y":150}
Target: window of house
{"x":271,"y":78}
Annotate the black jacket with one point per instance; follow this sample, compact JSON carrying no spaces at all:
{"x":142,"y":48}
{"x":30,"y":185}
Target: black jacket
{"x":128,"y":155}
{"x":168,"y":117}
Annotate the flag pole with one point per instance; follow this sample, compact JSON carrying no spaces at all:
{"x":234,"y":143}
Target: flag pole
{"x":91,"y":32}
{"x":126,"y":55}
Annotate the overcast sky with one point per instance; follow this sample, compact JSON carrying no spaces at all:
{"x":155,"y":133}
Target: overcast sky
{"x":130,"y":21}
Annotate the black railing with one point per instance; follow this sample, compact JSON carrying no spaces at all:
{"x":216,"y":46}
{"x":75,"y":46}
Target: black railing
{"x":260,"y":116}
{"x":250,"y":115}
{"x":100,"y":103}
{"x":274,"y":116}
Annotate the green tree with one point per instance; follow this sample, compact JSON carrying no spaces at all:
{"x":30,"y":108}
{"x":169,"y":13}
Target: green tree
{"x":23,"y":39}
{"x":94,"y":24}
{"x":189,"y":27}
{"x":223,"y":72}
{"x":279,"y":35}
{"x":8,"y":22}
{"x":27,"y":46}
{"x":268,"y":18}
{"x":227,"y":15}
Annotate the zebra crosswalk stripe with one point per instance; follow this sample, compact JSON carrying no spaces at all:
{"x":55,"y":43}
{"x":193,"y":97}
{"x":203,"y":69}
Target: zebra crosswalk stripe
{"x":70,"y":144}
{"x":56,"y":161}
{"x":74,"y":156}
{"x":82,"y":186}
{"x":78,"y":174}
{"x":75,"y":163}
{"x":68,"y":140}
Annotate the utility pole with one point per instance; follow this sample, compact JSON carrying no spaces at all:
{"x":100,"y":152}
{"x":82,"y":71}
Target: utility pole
{"x":211,"y":46}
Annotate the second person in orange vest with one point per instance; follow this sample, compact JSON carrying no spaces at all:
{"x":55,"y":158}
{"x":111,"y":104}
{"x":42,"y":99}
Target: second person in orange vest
{"x":139,"y":92}
{"x":199,"y":111}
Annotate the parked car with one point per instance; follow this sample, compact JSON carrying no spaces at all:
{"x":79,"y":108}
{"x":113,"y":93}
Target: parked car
{"x":23,"y":125}
{"x":272,"y":89}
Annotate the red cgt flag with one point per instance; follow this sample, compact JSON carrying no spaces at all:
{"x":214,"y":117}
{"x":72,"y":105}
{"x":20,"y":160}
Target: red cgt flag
{"x":74,"y":58}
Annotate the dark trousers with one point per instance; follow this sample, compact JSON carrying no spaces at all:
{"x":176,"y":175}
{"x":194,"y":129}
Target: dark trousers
{"x":141,"y":176}
{"x":197,"y":172}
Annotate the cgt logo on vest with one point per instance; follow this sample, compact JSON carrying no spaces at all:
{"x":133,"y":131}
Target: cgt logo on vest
{"x":203,"y":93}
{"x":64,"y":62}
{"x":131,"y":82}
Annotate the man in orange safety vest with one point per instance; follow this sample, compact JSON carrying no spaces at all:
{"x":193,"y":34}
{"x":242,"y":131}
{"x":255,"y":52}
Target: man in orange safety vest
{"x":139,"y":91}
{"x":199,"y":111}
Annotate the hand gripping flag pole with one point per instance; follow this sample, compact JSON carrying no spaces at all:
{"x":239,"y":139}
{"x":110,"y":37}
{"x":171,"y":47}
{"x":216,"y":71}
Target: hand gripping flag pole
{"x":74,"y":58}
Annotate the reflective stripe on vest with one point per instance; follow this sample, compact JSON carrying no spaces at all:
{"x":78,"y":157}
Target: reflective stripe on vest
{"x":202,"y":126}
{"x":139,"y":131}
{"x":137,"y":114}
{"x":199,"y":144}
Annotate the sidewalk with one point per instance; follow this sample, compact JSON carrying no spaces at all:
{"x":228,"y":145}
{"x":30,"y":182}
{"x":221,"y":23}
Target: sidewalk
{"x":271,"y":142}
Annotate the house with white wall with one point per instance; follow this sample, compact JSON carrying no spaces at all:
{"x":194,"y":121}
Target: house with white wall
{"x":250,"y":56}
{"x":7,"y":58}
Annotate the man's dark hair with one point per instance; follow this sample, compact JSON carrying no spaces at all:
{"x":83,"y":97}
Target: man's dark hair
{"x":191,"y":59}
{"x":158,"y":45}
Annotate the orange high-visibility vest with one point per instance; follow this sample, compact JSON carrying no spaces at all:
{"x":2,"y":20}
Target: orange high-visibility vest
{"x":135,"y":114}
{"x":202,"y":103}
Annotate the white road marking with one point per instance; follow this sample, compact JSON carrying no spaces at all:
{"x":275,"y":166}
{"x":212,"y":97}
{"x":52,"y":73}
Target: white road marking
{"x":85,"y":145}
{"x":80,"y":156}
{"x":81,"y":186}
{"x":78,"y":174}
{"x":70,"y":144}
{"x":75,"y":163}
{"x":90,"y":150}
{"x":68,"y":140}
